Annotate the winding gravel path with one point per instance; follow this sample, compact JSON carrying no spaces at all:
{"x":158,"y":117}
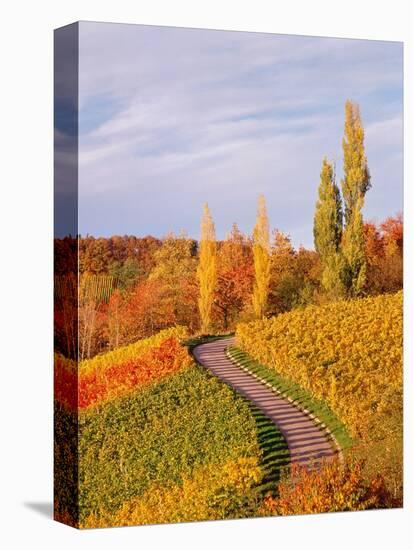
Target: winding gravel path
{"x":307,"y":443}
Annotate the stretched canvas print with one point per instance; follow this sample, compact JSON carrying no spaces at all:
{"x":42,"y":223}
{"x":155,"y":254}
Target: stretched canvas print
{"x":228,"y":275}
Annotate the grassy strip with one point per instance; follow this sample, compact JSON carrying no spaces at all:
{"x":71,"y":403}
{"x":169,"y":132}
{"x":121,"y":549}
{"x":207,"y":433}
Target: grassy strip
{"x":297,"y":395}
{"x":274,"y":449}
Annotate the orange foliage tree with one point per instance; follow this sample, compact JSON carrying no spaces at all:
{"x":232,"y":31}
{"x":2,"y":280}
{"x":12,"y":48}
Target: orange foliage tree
{"x":384,"y":252}
{"x":138,"y":313}
{"x":235,"y":275}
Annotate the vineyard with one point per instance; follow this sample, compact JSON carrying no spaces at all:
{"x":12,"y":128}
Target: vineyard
{"x":121,"y":371}
{"x":349,"y":355}
{"x":160,"y":439}
{"x":97,"y":288}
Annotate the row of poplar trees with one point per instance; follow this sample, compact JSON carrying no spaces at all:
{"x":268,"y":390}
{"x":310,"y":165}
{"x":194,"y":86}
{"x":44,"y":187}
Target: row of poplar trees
{"x":338,"y":221}
{"x":207,"y":269}
{"x":338,"y":230}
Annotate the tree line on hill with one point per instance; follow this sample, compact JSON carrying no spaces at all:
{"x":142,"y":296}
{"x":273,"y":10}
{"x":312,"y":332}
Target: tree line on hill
{"x":212,"y":285}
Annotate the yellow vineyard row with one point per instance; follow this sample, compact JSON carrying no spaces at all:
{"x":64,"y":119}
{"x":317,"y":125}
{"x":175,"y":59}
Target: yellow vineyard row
{"x":347,"y":353}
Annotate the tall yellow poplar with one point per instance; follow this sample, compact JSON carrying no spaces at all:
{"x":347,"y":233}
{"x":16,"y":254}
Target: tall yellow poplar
{"x":356,"y":181}
{"x":354,"y":252}
{"x":262,"y":259}
{"x":207,"y":271}
{"x":354,"y":185}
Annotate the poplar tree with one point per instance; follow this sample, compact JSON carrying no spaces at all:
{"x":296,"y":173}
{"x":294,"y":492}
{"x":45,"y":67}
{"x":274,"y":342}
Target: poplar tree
{"x":356,"y":181}
{"x":355,"y":266}
{"x":262,"y":259}
{"x":328,"y":228}
{"x":354,"y":185}
{"x":206,"y":272}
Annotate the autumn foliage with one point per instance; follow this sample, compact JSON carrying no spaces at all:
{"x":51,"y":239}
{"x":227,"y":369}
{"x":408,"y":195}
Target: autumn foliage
{"x":117,"y":373}
{"x":333,"y":488}
{"x":214,"y":491}
{"x":262,"y":260}
{"x":131,"y":300}
{"x":347,"y":353}
{"x":206,"y":271}
{"x":384,"y":251}
{"x":120,"y":379}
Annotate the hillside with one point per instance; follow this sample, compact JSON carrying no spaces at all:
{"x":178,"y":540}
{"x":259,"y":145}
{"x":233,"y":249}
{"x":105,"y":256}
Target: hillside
{"x":349,"y":355}
{"x":159,"y":439}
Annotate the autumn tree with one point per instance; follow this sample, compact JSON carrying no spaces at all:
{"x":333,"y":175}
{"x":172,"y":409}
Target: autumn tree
{"x":261,"y":252}
{"x":94,"y":255}
{"x":128,"y":258}
{"x":92,"y":294}
{"x":282,"y":254}
{"x":147,"y":311}
{"x":127,"y":272}
{"x":234,"y":277}
{"x":328,"y":228}
{"x":206,"y":269}
{"x":355,"y":266}
{"x":282,"y":273}
{"x":66,"y":336}
{"x":354,"y":185}
{"x":384,"y":255}
{"x":137,"y":313}
{"x":294,"y":277}
{"x":235,"y":250}
{"x":114,"y":319}
{"x":309,"y":270}
{"x":392,"y":231}
{"x":175,"y":259}
{"x":175,"y":269}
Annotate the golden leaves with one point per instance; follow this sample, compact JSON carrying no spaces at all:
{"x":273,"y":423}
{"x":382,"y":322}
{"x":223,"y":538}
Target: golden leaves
{"x":342,"y":352}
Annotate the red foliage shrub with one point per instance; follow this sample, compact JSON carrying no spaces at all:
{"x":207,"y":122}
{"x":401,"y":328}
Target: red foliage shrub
{"x":81,"y":390}
{"x":118,"y":380}
{"x":333,"y":488}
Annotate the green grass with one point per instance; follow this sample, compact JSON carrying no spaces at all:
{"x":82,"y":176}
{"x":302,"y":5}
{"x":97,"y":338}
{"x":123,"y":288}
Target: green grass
{"x":274,"y":448}
{"x":300,"y":397}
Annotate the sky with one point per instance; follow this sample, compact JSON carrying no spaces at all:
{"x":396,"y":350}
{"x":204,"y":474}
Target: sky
{"x":171,"y":118}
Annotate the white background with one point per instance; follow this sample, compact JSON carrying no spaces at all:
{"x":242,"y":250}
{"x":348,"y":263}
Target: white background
{"x":26,"y":270}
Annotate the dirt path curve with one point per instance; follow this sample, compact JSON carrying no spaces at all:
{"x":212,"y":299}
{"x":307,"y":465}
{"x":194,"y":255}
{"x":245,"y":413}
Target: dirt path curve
{"x":306,"y":442}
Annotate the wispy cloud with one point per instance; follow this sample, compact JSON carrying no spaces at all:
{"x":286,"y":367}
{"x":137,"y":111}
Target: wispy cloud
{"x":173,"y":117}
